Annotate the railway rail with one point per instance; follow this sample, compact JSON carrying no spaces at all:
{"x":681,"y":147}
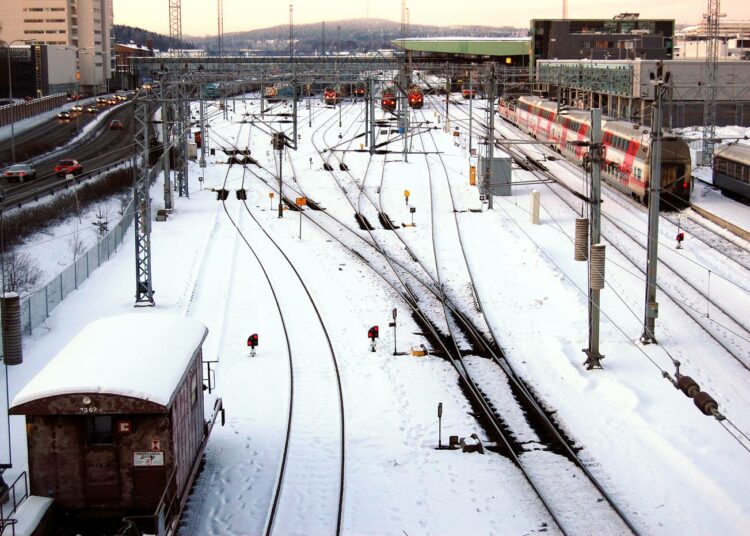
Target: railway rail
{"x":307,"y":402}
{"x":725,"y":327}
{"x":456,"y":321}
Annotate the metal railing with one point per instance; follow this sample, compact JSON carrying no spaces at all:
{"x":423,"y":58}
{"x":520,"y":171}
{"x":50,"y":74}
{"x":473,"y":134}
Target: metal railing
{"x":36,"y":307}
{"x":17,"y":497}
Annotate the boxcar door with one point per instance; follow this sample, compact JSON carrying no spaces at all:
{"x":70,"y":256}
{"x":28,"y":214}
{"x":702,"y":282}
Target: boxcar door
{"x":101,"y":463}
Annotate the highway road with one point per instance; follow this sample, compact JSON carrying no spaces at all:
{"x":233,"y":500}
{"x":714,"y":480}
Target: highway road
{"x":106,"y":147}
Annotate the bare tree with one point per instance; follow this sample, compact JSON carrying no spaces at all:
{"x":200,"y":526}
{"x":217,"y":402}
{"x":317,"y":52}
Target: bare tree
{"x":21,"y":273}
{"x":76,"y":245}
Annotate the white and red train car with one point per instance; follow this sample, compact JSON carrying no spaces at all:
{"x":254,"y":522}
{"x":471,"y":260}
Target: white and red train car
{"x":626,"y":161}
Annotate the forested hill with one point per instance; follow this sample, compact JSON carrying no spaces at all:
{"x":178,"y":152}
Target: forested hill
{"x":139,"y":36}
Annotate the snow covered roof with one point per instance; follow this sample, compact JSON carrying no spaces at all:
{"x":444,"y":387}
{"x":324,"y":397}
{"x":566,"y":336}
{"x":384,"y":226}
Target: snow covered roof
{"x":735,"y":152}
{"x":138,"y":355}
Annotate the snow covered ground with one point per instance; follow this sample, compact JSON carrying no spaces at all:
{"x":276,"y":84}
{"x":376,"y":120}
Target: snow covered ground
{"x":671,"y":469}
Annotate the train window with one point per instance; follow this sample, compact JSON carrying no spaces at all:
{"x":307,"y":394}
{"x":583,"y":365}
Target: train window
{"x":100,"y":430}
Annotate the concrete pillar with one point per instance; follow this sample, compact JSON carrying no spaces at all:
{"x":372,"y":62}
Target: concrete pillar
{"x":534,"y":214}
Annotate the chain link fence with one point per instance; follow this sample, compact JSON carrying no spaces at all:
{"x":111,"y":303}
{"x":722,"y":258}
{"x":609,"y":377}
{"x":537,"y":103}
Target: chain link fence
{"x":36,"y":307}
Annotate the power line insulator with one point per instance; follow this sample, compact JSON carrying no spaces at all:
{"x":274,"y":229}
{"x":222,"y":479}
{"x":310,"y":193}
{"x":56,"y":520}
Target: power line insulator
{"x":688,"y":385}
{"x":705,"y":402}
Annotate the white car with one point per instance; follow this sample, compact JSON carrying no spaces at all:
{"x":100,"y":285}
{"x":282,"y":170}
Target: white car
{"x":20,"y":172}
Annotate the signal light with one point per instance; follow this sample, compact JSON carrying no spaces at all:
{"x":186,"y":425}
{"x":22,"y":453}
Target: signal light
{"x":252,"y":340}
{"x":373,"y":333}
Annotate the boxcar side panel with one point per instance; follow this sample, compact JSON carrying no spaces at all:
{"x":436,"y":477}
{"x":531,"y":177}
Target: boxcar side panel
{"x":187,"y":421}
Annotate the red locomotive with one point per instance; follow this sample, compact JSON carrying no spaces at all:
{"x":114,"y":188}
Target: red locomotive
{"x":360,"y":89}
{"x":388,"y":99}
{"x":468,"y":92}
{"x":416,"y":97}
{"x":332,"y":95}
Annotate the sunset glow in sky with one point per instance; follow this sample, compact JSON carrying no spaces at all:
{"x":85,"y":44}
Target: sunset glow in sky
{"x":199,"y":16}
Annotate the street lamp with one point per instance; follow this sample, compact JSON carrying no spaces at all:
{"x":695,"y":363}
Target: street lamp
{"x":10,"y":97}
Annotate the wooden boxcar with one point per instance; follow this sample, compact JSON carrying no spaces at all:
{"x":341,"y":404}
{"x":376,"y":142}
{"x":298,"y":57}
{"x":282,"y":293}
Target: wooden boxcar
{"x":115,"y":421}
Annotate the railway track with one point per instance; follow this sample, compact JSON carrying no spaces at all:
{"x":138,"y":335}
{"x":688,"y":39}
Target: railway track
{"x":710,"y":302}
{"x":455,"y":321}
{"x":444,"y":340}
{"x":303,"y":493}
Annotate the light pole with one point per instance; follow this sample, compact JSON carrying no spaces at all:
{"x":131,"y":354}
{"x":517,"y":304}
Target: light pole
{"x":10,"y":97}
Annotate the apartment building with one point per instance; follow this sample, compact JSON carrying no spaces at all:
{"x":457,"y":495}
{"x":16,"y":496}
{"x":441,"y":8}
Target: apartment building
{"x":85,"y":25}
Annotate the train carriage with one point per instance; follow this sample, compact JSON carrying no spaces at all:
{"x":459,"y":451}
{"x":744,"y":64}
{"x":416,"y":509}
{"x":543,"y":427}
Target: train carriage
{"x":115,"y":421}
{"x":732,"y":170}
{"x":626,"y":161}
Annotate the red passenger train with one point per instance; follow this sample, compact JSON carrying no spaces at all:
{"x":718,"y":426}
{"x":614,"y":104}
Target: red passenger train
{"x":626,"y":162}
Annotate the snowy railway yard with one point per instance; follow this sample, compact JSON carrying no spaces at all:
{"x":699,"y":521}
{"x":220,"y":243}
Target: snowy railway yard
{"x":326,"y":435}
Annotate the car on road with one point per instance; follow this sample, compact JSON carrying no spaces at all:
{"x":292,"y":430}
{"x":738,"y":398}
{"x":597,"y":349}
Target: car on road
{"x":77,"y":108}
{"x":91,"y":110}
{"x":116,"y":124}
{"x":112,"y":100}
{"x":63,"y":115}
{"x":101,"y":101}
{"x":121,"y":96}
{"x":20,"y":172}
{"x":68,"y":166}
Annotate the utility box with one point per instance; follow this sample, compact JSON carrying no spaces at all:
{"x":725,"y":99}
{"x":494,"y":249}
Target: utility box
{"x":192,"y":150}
{"x":500,"y":179}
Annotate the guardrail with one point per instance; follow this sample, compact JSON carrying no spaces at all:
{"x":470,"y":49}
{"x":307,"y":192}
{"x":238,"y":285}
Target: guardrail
{"x":35,"y":194}
{"x":25,"y":110}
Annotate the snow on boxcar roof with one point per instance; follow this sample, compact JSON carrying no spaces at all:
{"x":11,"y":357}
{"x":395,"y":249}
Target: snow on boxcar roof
{"x":137,"y":355}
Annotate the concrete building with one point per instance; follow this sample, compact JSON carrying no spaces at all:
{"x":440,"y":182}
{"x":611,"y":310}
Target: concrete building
{"x":124,"y":53}
{"x":623,"y":89}
{"x":38,"y":70}
{"x":510,"y":51}
{"x":622,"y":37}
{"x":729,"y":48}
{"x":86,"y":25}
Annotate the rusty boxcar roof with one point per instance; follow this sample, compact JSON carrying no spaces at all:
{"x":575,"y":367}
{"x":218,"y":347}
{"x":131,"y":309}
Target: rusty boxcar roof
{"x":135,"y":355}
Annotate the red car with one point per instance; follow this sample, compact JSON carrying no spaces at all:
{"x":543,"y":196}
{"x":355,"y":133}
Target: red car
{"x":68,"y":167}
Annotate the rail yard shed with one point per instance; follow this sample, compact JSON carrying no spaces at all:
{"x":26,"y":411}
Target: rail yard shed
{"x":511,"y":51}
{"x":115,"y":421}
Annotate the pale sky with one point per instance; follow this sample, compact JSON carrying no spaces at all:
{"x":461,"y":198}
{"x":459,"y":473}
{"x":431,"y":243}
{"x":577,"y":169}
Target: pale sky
{"x":199,"y":16}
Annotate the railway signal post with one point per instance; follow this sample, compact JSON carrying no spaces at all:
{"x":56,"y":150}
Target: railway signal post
{"x":440,"y":425}
{"x":393,"y":325}
{"x":660,"y":81}
{"x":278,"y":144}
{"x":373,"y":333}
{"x":593,"y":357}
{"x":252,"y":342}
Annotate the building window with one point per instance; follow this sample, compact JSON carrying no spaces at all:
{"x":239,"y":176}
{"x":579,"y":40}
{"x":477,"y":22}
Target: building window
{"x":100,"y":430}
